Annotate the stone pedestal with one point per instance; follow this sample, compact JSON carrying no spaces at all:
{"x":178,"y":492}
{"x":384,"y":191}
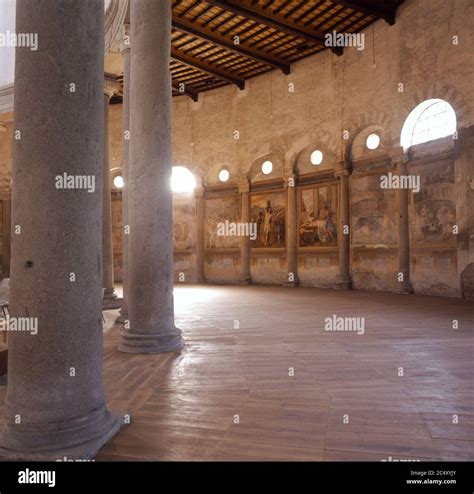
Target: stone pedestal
{"x":245,"y":273}
{"x":55,"y":404}
{"x":151,"y":308}
{"x":344,"y":282}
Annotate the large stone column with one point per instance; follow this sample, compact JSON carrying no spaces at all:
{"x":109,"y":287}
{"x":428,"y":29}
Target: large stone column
{"x":125,"y":51}
{"x":398,"y":158}
{"x":292,"y":234}
{"x":245,"y":274}
{"x":55,"y":405}
{"x":107,"y":246}
{"x":344,"y":281}
{"x":6,"y":241}
{"x":200,"y":248}
{"x":151,"y":310}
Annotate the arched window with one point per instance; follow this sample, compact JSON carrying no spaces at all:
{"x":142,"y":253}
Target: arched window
{"x":182,"y":180}
{"x":430,"y":120}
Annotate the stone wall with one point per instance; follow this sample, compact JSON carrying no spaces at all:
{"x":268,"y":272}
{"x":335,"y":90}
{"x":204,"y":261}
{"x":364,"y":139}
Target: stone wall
{"x":331,"y":104}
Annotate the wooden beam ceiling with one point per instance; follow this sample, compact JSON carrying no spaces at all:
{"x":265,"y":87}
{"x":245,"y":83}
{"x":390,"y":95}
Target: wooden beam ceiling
{"x":207,"y":67}
{"x":378,"y":10}
{"x":221,"y":42}
{"x":195,"y":29}
{"x":279,"y":23}
{"x":181,"y":88}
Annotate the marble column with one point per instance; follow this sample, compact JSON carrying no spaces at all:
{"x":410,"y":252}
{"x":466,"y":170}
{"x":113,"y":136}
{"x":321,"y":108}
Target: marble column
{"x":55,"y":404}
{"x":107,"y":246}
{"x":125,"y":51}
{"x":292,"y":233}
{"x":344,"y":281}
{"x":152,"y":328}
{"x":399,"y":160}
{"x":200,"y":248}
{"x":245,"y":273}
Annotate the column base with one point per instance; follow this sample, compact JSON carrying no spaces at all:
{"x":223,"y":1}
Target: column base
{"x":343,"y":283}
{"x":123,"y":316}
{"x":110,"y":293}
{"x":151,"y":343}
{"x":244,"y":281}
{"x":77,"y":439}
{"x":405,"y":288}
{"x":294,"y":283}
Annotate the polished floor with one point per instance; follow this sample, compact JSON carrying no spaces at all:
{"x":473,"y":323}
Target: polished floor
{"x":261,"y":379}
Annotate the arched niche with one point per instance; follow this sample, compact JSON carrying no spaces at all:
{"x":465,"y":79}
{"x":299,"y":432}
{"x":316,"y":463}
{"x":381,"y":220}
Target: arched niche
{"x":211,"y":176}
{"x":306,"y":164}
{"x":358,"y":150}
{"x":256,"y":175}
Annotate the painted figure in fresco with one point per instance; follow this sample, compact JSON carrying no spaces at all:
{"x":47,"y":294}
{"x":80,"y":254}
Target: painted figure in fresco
{"x":279,"y":226}
{"x":270,"y":220}
{"x":318,"y":229}
{"x":268,"y":224}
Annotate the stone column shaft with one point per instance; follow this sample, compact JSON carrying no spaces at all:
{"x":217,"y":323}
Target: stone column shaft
{"x":292,"y":234}
{"x":403,"y":275}
{"x":200,"y":248}
{"x":55,"y":404}
{"x":107,"y":245}
{"x":344,"y":281}
{"x":6,"y":250}
{"x":151,"y":310}
{"x":245,"y":272}
{"x":125,"y":51}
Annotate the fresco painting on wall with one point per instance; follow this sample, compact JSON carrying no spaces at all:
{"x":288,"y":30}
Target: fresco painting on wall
{"x":373,"y":212}
{"x":434,"y":206}
{"x":317,"y":218}
{"x":220,"y":210}
{"x":268,"y":211}
{"x":183,"y":225}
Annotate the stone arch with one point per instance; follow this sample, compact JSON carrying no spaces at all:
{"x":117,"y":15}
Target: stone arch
{"x":255,"y":172}
{"x":214,"y":164}
{"x":302,"y":161}
{"x":361,"y":127}
{"x":437,"y":91}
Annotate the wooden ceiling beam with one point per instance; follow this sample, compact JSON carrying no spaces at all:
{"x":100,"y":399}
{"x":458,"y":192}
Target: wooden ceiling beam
{"x":271,"y":20}
{"x":388,"y":14}
{"x":206,"y":67}
{"x":180,"y":88}
{"x":213,"y":37}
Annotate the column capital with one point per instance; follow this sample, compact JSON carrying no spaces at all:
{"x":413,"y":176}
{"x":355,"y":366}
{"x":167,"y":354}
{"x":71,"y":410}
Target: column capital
{"x":199,"y":192}
{"x":341,"y":173}
{"x":398,"y":155}
{"x":341,"y":170}
{"x":244,"y":185}
{"x":124,"y":43}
